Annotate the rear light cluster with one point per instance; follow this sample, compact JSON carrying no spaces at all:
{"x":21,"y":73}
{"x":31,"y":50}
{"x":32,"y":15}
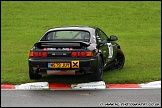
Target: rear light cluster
{"x":73,"y":54}
{"x":38,"y":54}
{"x":81,"y":54}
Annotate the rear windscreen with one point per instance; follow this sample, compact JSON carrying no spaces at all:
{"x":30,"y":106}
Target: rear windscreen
{"x":70,"y":34}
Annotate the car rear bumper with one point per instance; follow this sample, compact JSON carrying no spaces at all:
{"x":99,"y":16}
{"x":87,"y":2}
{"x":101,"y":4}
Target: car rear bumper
{"x":77,"y":66}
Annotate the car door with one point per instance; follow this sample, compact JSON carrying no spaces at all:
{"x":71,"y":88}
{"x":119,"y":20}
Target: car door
{"x":102,"y":38}
{"x":109,"y":48}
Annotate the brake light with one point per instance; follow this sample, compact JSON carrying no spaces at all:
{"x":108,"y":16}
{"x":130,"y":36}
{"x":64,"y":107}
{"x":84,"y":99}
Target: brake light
{"x":38,"y":54}
{"x":74,"y":54}
{"x":35,"y":54}
{"x":89,"y":54}
{"x":44,"y":54}
{"x":31,"y":54}
{"x":81,"y":54}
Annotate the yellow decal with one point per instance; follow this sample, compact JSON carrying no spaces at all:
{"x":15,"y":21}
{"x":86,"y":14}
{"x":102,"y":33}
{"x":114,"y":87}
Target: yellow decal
{"x":75,"y":64}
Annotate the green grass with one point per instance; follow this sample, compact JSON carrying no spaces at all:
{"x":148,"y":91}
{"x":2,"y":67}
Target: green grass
{"x":136,"y":23}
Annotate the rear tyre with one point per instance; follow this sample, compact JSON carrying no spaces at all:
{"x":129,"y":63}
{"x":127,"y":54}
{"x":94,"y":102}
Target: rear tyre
{"x":34,"y":75}
{"x":98,"y":72}
{"x":119,"y":61}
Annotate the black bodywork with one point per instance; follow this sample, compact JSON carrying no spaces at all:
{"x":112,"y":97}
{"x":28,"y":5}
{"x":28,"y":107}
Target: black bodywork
{"x":75,"y":50}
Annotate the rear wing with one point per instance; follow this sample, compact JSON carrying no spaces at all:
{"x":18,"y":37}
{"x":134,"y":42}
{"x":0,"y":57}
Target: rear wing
{"x":61,"y":44}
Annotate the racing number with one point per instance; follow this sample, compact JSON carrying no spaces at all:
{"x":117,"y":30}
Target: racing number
{"x":110,"y":47}
{"x":75,"y":64}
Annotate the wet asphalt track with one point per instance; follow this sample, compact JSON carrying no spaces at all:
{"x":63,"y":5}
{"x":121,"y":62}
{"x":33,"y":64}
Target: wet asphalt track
{"x":82,"y":98}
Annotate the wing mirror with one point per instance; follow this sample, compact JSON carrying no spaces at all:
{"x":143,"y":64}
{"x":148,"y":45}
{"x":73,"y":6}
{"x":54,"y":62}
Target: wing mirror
{"x":113,"y":38}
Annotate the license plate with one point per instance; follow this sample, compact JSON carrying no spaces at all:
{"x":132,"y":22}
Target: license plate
{"x":58,"y":65}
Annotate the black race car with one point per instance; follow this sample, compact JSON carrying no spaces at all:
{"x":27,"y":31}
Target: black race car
{"x":75,"y":50}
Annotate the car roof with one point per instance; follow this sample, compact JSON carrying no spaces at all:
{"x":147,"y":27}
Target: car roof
{"x":87,"y":28}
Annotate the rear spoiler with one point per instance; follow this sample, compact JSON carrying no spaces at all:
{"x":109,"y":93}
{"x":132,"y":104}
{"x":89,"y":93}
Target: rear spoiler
{"x":61,"y":44}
